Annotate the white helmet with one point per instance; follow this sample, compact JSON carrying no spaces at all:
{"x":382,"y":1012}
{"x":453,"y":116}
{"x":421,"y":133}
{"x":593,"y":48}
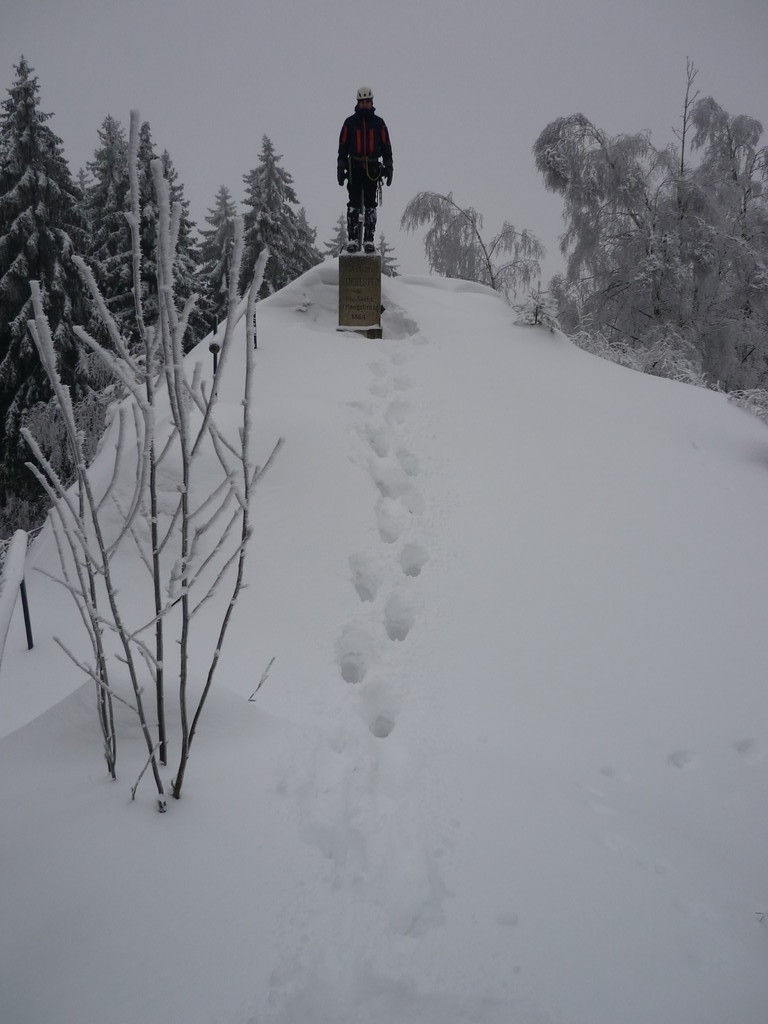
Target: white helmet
{"x":364,"y":93}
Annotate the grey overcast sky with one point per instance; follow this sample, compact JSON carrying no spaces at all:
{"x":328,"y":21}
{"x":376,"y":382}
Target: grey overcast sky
{"x":465,"y":88}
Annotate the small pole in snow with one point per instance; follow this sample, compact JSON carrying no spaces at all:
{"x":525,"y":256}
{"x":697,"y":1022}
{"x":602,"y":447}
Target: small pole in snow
{"x":215,"y":348}
{"x":27,"y":619}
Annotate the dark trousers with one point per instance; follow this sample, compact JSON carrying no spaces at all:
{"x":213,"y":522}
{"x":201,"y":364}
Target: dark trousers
{"x":361,"y":186}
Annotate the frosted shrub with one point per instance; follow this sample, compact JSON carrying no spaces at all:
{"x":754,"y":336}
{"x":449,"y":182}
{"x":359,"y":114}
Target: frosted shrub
{"x":754,"y":400}
{"x":46,"y":424}
{"x":614,"y":351}
{"x":21,"y":514}
{"x":190,"y":544}
{"x":538,"y":309}
{"x":665,"y":353}
{"x":668,"y":355}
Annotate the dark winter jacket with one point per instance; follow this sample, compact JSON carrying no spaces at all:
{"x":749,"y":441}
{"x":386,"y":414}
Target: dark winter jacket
{"x":365,"y":136}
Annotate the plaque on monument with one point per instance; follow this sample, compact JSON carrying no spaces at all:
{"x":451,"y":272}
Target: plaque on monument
{"x":360,"y":294}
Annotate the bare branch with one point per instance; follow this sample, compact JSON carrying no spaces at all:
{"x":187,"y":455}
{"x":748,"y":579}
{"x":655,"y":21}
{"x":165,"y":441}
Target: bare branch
{"x":263,"y":679}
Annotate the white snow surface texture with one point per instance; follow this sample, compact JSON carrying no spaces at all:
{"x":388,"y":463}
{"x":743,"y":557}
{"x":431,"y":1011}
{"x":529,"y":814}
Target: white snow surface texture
{"x":509,"y":765}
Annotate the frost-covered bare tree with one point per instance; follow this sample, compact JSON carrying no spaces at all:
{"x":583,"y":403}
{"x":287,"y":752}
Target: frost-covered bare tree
{"x":454,"y":246}
{"x":731,"y":184}
{"x":612,"y":189}
{"x":191,"y":541}
{"x":667,"y":245}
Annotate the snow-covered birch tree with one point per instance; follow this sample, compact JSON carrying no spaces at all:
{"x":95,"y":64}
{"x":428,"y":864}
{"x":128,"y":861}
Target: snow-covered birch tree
{"x":667,"y":247}
{"x":455,"y":247}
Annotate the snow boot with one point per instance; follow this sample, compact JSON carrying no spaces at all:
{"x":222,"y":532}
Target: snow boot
{"x":369,"y":228}
{"x":353,"y":229}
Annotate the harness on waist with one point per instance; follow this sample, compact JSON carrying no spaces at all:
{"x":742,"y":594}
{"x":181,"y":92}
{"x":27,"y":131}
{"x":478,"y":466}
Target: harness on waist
{"x":370,"y":163}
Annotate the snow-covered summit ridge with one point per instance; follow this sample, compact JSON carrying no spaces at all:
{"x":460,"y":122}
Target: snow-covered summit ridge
{"x":510,"y":760}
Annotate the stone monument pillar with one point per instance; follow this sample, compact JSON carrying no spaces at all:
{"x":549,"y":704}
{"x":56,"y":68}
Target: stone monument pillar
{"x":360,"y":294}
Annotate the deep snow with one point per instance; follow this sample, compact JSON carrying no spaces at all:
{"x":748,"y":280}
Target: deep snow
{"x":509,"y":763}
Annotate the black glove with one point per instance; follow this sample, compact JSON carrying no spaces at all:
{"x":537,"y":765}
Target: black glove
{"x":388,"y":174}
{"x":341,"y":171}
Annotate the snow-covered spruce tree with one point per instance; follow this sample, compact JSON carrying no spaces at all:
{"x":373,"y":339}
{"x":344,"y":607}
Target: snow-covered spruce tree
{"x":387,"y":253}
{"x":269,"y":218}
{"x":336,"y":244}
{"x":110,"y":251}
{"x":82,"y":181}
{"x":107,"y":202}
{"x":272,"y":221}
{"x":193,"y":542}
{"x":186,"y":279}
{"x":305,"y":253}
{"x":454,"y":246}
{"x":148,"y":215}
{"x":39,"y":226}
{"x":216,"y":253}
{"x":103,"y":193}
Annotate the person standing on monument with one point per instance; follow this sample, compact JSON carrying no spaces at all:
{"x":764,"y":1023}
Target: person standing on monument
{"x":365,"y":158}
